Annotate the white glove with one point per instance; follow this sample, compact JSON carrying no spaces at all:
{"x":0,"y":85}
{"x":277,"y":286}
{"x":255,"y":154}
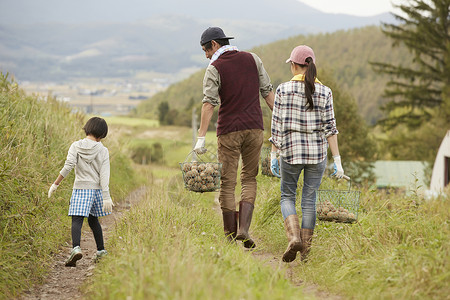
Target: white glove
{"x":200,"y":145}
{"x":338,"y":170}
{"x":52,"y":189}
{"x":107,"y":205}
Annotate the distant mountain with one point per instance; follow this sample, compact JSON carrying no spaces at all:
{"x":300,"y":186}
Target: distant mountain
{"x":60,"y":40}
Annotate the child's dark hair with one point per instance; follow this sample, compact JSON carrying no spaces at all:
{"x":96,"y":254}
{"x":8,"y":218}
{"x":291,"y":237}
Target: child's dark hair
{"x":96,"y":127}
{"x":310,"y":78}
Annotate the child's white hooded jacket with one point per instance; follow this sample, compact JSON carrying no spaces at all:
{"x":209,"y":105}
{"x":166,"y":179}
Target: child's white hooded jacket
{"x":91,"y":162}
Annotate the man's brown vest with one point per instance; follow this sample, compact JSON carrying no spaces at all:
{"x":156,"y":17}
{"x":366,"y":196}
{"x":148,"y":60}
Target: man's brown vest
{"x":240,"y":108}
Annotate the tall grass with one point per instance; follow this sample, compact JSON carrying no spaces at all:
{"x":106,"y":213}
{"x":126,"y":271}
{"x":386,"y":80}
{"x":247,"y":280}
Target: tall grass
{"x":399,"y":249}
{"x":35,"y":137}
{"x":172,"y":246}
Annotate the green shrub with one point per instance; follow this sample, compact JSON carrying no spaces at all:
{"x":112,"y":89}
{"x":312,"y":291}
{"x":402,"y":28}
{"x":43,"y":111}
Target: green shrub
{"x":144,"y":153}
{"x":141,"y":154}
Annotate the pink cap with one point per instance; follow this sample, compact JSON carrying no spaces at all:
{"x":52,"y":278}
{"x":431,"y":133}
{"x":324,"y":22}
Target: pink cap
{"x":300,"y":54}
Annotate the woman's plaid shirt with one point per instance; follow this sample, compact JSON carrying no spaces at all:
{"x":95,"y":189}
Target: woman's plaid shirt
{"x":301,"y":134}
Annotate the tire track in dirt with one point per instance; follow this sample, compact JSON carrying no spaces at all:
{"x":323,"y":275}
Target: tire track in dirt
{"x":64,"y":282}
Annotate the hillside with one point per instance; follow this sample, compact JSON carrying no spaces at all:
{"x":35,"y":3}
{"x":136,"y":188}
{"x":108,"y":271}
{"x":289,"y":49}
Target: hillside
{"x":345,"y":54}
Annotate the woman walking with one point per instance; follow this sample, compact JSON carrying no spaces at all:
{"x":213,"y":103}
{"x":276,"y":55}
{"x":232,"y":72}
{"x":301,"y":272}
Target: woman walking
{"x":303,"y":125}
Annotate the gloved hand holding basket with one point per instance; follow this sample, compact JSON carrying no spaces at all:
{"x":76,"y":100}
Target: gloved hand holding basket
{"x":266,"y":162}
{"x":201,"y":174}
{"x":338,"y":205}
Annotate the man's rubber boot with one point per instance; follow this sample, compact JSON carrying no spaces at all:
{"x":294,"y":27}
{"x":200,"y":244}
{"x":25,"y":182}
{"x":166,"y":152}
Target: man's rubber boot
{"x":229,"y":224}
{"x":245,"y":219}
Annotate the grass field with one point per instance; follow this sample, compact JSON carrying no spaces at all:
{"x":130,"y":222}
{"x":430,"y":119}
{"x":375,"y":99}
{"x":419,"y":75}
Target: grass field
{"x":398,"y":249}
{"x":132,"y":122}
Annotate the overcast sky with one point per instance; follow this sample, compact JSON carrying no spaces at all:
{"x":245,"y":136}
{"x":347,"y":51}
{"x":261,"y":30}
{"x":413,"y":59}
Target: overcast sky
{"x":75,"y":11}
{"x":354,"y":7}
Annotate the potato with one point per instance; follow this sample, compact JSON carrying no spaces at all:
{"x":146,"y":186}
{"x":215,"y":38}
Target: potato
{"x":209,"y":170}
{"x":186,"y":167}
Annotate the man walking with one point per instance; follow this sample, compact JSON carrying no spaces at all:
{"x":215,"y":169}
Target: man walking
{"x":234,"y":80}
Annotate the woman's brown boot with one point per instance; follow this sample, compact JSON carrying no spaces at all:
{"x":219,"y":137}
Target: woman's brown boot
{"x":306,"y":236}
{"x":245,"y":218}
{"x":229,"y":224}
{"x":292,"y":228}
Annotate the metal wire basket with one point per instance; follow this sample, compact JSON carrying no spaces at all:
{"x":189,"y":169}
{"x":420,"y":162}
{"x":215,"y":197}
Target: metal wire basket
{"x":338,"y":205}
{"x":201,"y":176}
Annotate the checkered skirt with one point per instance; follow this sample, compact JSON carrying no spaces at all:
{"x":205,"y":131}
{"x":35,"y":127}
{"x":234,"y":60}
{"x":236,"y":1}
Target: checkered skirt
{"x":86,"y":202}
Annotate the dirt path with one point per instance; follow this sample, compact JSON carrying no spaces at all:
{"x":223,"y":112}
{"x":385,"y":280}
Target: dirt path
{"x":289,"y":268}
{"x":64,"y":282}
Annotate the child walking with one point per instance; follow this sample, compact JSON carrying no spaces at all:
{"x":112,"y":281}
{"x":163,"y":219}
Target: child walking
{"x":90,"y":196}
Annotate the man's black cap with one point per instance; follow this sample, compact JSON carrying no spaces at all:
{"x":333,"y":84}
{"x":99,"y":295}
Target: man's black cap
{"x":213,"y":33}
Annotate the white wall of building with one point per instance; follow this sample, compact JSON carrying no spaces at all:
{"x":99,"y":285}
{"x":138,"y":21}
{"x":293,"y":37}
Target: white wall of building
{"x":438,"y":177}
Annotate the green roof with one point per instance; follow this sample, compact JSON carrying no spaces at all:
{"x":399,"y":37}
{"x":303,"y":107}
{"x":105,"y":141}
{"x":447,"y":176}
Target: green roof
{"x":394,"y":173}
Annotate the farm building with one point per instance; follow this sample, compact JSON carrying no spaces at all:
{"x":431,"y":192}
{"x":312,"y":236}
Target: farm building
{"x":441,"y":170}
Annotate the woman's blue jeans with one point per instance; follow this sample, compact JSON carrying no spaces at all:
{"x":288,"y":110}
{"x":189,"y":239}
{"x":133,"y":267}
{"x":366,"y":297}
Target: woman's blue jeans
{"x":312,"y":178}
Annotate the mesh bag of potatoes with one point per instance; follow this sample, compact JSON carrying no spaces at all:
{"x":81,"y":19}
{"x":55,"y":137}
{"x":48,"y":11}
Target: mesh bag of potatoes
{"x":337,"y":205}
{"x":201,"y":176}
